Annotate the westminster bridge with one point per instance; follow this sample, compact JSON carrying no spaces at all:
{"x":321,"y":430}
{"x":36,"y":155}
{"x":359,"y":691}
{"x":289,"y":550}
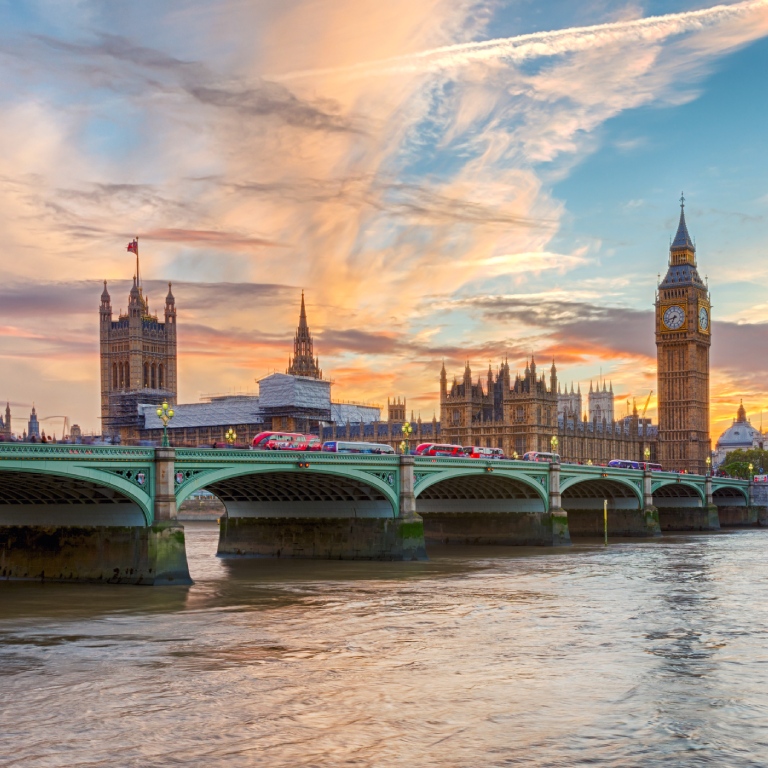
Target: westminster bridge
{"x":82,"y":513}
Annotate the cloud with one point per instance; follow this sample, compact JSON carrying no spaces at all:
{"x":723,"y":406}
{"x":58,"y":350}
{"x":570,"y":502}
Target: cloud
{"x":545,"y":44}
{"x":393,"y":166}
{"x":209,"y":237}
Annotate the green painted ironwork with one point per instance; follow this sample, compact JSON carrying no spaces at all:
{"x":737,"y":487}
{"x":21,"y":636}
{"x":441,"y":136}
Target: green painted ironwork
{"x":131,"y":471}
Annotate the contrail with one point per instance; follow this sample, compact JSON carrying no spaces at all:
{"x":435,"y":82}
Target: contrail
{"x":538,"y":44}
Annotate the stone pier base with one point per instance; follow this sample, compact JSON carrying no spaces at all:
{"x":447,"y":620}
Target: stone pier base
{"x":689,"y":518}
{"x":737,"y":516}
{"x":637,"y":523}
{"x":323,"y":538}
{"x":534,"y":529}
{"x":106,"y":554}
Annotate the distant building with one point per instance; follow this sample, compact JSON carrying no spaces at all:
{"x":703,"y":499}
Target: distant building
{"x":138,"y":361}
{"x":741,"y":435}
{"x":6,"y":423}
{"x":600,"y":402}
{"x":303,"y":362}
{"x":33,"y":426}
{"x":525,"y":414}
{"x":296,"y":401}
{"x":683,"y":339}
{"x":569,"y":403}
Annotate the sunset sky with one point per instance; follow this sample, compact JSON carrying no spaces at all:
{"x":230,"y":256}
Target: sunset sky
{"x":446,"y":180}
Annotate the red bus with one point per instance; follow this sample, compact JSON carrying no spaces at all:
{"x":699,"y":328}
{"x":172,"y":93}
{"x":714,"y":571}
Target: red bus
{"x":285,"y":441}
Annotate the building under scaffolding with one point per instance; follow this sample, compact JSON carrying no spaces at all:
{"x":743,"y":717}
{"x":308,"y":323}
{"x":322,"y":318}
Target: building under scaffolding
{"x":295,"y":403}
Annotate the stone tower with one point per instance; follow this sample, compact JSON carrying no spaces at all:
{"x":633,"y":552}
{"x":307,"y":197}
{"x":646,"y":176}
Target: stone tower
{"x":138,"y":361}
{"x":600,"y":402}
{"x":303,"y":362}
{"x":683,"y":337}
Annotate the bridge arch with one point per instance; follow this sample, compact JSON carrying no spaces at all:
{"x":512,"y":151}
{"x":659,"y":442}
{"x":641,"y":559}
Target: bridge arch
{"x":477,"y":483}
{"x":81,"y":496}
{"x":677,"y":489}
{"x":583,"y":498}
{"x":731,"y":494}
{"x":285,"y":490}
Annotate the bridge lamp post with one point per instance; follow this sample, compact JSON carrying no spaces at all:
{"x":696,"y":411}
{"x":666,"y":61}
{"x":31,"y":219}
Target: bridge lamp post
{"x":514,"y":455}
{"x":750,"y":471}
{"x":709,"y":464}
{"x":554,"y":442}
{"x":407,"y":431}
{"x":165,"y":414}
{"x":230,"y":436}
{"x":647,"y":453}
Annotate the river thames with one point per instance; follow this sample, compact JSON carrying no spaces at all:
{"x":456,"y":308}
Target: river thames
{"x":642,"y":654}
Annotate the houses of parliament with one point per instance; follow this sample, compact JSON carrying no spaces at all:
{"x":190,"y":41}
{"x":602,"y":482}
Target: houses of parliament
{"x":527,"y":412}
{"x":531,"y":411}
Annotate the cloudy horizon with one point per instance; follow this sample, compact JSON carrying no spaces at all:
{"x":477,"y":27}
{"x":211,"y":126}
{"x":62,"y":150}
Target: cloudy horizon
{"x":484,"y":180}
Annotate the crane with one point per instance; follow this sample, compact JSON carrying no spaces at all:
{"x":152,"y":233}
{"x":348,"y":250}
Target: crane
{"x":64,"y":426}
{"x":646,"y":404}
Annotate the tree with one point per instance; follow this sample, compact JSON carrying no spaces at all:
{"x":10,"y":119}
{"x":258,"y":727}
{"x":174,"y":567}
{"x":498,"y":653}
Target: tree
{"x":736,"y":463}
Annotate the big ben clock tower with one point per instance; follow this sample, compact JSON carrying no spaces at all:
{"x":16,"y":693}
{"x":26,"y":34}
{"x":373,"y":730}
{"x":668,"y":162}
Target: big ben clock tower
{"x":683,"y":336}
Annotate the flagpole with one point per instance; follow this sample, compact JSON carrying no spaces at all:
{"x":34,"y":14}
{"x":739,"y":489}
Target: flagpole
{"x":138,"y":278}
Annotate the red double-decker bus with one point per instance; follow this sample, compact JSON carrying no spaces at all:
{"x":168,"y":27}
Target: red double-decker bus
{"x":285,"y":441}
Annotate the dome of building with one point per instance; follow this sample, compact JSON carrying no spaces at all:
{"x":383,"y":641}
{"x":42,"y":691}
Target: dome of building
{"x":741,"y":434}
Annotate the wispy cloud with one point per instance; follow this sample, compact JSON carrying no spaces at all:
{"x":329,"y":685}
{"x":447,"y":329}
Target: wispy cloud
{"x":545,"y":44}
{"x":398,"y":163}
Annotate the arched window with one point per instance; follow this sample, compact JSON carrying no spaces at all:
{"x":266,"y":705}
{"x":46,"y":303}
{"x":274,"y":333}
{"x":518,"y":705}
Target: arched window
{"x":154,"y":375}
{"x":127,"y":369}
{"x":146,"y":374}
{"x":160,"y":376}
{"x":114,"y":375}
{"x":121,"y":371}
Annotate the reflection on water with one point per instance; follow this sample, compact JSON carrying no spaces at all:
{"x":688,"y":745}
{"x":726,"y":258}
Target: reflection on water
{"x":647,"y":653}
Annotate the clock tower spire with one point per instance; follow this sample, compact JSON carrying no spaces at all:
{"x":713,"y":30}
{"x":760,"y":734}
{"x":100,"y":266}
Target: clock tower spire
{"x":683,"y":337}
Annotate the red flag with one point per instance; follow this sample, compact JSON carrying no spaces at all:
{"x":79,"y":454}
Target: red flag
{"x":133,"y":247}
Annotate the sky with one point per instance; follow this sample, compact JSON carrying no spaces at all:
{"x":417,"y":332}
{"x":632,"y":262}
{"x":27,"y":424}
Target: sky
{"x":447,"y":180}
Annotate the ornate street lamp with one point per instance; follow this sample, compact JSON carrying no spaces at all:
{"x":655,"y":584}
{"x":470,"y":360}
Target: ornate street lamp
{"x":404,"y":447}
{"x":709,"y":463}
{"x":554,"y":442}
{"x":407,"y":431}
{"x":514,"y":455}
{"x":647,"y":453}
{"x":165,"y":414}
{"x":750,"y":471}
{"x":589,"y":462}
{"x":230,"y":436}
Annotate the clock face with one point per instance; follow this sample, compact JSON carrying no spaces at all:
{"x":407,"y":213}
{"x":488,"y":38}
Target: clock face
{"x":703,"y":318}
{"x":674,"y":317}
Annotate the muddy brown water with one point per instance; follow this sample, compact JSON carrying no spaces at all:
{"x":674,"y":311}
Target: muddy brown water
{"x":642,"y":654}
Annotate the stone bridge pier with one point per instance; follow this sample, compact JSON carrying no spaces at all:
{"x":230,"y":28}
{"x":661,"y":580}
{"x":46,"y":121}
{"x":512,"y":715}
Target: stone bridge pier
{"x":630,"y":507}
{"x":83,"y":515}
{"x":315,"y":512}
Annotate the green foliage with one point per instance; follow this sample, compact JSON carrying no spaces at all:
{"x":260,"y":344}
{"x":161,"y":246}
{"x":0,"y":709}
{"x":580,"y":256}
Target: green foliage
{"x":737,"y":463}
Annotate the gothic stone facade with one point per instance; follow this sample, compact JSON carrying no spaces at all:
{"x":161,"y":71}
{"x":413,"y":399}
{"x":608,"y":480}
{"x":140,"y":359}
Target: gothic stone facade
{"x":138,"y":361}
{"x":683,"y":337}
{"x":521,"y":415}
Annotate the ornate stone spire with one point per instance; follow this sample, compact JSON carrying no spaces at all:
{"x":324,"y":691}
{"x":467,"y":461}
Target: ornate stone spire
{"x":303,"y":363}
{"x":741,"y":414}
{"x":682,"y":238}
